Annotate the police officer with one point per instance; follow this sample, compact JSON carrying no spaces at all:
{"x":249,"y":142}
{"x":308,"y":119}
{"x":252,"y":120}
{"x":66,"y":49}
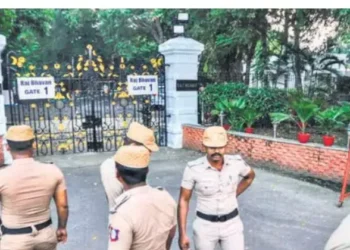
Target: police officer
{"x":144,"y":218}
{"x":340,"y":238}
{"x":217,"y":180}
{"x":26,"y":189}
{"x":137,"y":135}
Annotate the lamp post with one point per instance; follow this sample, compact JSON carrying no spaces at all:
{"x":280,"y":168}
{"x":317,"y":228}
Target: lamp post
{"x":179,"y":24}
{"x":275,"y":124}
{"x":221,"y":115}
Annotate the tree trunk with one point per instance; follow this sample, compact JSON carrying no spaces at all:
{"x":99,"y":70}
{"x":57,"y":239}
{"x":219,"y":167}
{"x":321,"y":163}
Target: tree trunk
{"x":247,"y":72}
{"x":297,"y":66}
{"x":265,"y":58}
{"x":283,"y":57}
{"x":236,"y":67}
{"x":250,"y":56}
{"x":227,"y":68}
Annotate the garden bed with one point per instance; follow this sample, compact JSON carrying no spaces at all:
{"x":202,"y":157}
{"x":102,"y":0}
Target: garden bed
{"x":287,"y":131}
{"x":290,"y":131}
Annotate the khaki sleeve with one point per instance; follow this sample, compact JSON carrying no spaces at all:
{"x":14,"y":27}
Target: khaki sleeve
{"x":244,"y":169}
{"x":2,"y":186}
{"x":175,"y":216}
{"x":120,"y":234}
{"x":61,"y":182}
{"x":112,"y":187}
{"x":173,"y":210}
{"x":188,"y":178}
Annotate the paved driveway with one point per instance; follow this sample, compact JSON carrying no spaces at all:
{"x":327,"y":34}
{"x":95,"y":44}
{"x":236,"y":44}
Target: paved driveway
{"x":278,"y":212}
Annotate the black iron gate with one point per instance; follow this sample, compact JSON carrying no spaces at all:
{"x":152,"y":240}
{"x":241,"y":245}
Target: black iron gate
{"x":92,"y":109}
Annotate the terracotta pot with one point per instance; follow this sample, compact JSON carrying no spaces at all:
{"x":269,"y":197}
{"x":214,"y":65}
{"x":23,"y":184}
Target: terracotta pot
{"x":328,"y":140}
{"x":249,"y":130}
{"x":303,"y":138}
{"x":227,"y":126}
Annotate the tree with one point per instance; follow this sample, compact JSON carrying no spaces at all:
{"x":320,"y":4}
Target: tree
{"x":230,"y":37}
{"x":134,"y":32}
{"x":72,"y":30}
{"x":25,"y":28}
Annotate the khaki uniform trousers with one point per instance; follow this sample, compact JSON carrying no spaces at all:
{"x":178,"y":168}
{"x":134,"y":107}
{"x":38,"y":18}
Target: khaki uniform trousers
{"x":340,"y":238}
{"x":229,"y":234}
{"x":44,"y":239}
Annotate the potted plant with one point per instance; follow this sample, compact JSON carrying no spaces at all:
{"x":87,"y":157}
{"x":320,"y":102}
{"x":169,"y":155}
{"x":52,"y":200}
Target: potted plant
{"x":305,"y":109}
{"x":329,"y":120}
{"x":302,"y":111}
{"x":235,"y":113}
{"x":249,"y":116}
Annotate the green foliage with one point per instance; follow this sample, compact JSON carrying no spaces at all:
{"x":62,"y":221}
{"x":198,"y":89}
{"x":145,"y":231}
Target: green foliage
{"x":345,"y":108}
{"x":221,"y":106}
{"x":266,"y":100}
{"x":305,"y":109}
{"x":237,"y":112}
{"x":72,"y":30}
{"x":331,"y":119}
{"x":123,"y":35}
{"x":277,"y":117}
{"x":213,"y":93}
{"x":302,"y":110}
{"x":231,"y":36}
{"x":25,"y":29}
{"x":250,"y":115}
{"x":232,"y":110}
{"x":7,"y":21}
{"x":260,"y":101}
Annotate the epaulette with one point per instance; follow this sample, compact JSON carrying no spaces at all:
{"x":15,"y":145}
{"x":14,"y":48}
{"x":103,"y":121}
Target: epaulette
{"x":196,"y":162}
{"x":119,"y":201}
{"x":48,"y":162}
{"x":234,"y":157}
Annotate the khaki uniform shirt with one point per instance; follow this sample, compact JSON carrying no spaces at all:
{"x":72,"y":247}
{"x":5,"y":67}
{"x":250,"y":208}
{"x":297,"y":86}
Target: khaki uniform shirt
{"x":340,"y":239}
{"x":113,"y":187}
{"x":26,"y":189}
{"x":142,"y":220}
{"x":216,"y":190}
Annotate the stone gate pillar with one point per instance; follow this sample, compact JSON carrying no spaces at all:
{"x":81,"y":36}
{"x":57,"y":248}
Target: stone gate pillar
{"x":181,"y":60}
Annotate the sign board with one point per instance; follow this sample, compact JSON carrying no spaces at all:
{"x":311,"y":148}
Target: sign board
{"x":34,"y":88}
{"x":142,"y":85}
{"x":186,"y":85}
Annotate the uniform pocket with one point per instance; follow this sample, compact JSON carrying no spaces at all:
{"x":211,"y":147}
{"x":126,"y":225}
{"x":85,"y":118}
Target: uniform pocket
{"x":47,"y":239}
{"x":50,"y":235}
{"x":208,"y":187}
{"x":231,"y":182}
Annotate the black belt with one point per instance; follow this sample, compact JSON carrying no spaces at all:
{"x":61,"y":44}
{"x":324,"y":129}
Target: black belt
{"x":218,"y":218}
{"x":25,"y":230}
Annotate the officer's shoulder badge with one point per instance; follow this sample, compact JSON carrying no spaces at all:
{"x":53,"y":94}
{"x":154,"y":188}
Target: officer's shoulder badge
{"x":119,"y":202}
{"x":196,"y":162}
{"x":113,"y":234}
{"x":48,"y":162}
{"x":234,"y":157}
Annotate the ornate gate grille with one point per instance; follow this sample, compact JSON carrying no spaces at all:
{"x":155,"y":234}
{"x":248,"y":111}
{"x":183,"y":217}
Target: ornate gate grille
{"x":92,"y":109}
